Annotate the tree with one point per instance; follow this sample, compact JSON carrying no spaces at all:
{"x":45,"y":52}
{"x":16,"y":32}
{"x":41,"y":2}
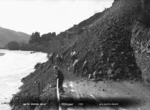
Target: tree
{"x":48,"y":36}
{"x":13,"y":45}
{"x":35,"y":38}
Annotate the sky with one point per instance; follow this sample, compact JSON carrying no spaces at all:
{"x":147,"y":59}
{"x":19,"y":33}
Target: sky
{"x":47,"y":15}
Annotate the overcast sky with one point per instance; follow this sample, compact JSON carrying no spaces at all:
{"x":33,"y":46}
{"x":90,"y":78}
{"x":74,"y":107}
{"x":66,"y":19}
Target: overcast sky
{"x":47,"y":15}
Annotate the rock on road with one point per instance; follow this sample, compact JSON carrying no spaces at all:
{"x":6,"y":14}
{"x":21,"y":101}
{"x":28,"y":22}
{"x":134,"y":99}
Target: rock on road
{"x":92,"y":92}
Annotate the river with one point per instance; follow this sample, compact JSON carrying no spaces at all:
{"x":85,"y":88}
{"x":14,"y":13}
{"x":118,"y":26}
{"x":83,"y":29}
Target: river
{"x":14,"y":65}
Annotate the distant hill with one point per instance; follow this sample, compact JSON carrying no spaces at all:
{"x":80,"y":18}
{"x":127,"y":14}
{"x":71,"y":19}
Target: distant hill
{"x":7,"y":35}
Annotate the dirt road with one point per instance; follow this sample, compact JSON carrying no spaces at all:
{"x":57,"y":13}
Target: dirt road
{"x":85,"y":94}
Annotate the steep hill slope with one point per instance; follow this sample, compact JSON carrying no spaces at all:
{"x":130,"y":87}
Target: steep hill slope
{"x":106,"y":43}
{"x":7,"y":35}
{"x":109,"y":40}
{"x":70,"y":36}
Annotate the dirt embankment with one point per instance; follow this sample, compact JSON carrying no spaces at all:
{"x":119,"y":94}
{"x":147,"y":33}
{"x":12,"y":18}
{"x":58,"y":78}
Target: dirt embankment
{"x":141,"y":44}
{"x":105,"y":43}
{"x":140,"y":41}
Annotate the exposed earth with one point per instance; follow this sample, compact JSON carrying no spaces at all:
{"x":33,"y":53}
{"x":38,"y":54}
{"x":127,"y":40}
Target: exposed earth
{"x":82,"y":92}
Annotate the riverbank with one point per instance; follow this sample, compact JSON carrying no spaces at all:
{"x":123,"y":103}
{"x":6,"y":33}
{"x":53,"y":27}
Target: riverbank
{"x":15,"y":65}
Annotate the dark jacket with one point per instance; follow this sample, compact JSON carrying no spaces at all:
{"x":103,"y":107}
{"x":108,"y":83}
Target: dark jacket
{"x":60,"y":75}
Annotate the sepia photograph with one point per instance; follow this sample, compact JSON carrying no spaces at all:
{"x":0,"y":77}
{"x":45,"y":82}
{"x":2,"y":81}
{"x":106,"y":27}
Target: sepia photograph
{"x":74,"y":54}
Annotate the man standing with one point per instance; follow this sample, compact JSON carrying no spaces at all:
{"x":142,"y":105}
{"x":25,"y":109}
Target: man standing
{"x":59,"y":60}
{"x":59,"y":74}
{"x":51,"y":57}
{"x":85,"y":68}
{"x":73,"y":56}
{"x":75,"y":67}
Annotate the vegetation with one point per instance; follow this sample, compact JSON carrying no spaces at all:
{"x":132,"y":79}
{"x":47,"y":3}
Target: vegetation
{"x":13,"y":45}
{"x":36,"y":42}
{"x":7,"y":35}
{"x":37,"y":39}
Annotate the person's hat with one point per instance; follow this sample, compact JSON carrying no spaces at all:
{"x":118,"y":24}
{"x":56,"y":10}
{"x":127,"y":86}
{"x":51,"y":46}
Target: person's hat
{"x":55,"y":67}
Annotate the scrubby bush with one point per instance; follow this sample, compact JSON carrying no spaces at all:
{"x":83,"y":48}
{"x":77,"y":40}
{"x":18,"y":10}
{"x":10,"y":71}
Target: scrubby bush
{"x":37,"y":65}
{"x":13,"y":45}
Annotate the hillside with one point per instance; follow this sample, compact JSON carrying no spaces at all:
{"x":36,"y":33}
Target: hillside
{"x":114,"y":42}
{"x":105,"y":43}
{"x":7,"y":35}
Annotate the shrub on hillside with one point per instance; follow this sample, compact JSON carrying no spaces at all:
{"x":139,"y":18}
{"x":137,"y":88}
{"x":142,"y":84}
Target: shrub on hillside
{"x":37,"y":66}
{"x":13,"y":45}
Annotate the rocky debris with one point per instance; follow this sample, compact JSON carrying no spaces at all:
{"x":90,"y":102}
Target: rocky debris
{"x":106,"y":44}
{"x":140,"y":43}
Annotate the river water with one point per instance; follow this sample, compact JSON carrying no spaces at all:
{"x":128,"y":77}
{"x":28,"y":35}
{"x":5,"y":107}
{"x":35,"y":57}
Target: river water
{"x":14,"y":65}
